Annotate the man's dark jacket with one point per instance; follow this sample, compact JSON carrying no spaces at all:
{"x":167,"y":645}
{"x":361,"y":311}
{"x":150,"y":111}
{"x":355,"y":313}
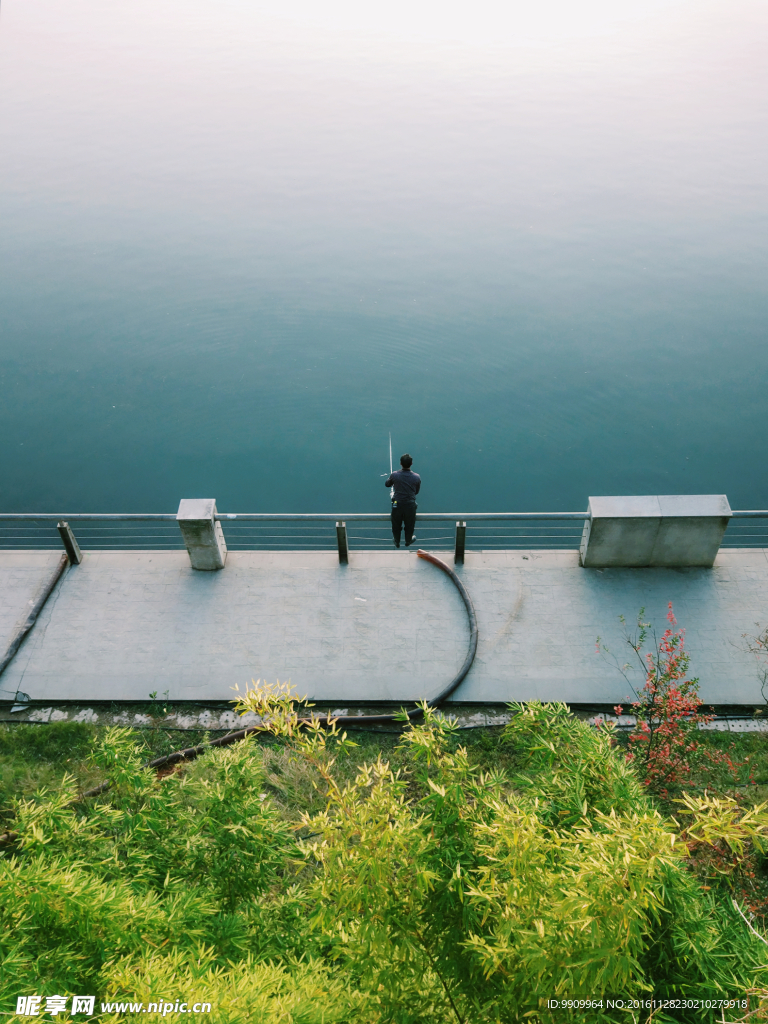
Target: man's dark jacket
{"x":406,"y":484}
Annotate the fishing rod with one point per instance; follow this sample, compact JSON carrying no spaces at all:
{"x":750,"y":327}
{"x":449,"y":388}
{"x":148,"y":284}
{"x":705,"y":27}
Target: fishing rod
{"x":392,"y":489}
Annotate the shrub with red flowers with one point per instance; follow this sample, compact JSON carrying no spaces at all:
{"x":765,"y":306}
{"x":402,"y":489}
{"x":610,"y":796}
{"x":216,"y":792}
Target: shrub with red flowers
{"x":668,"y":712}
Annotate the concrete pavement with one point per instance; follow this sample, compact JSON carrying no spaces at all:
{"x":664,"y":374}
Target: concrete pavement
{"x":388,"y":626}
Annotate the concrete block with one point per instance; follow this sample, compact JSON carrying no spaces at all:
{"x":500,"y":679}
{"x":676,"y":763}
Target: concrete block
{"x":662,"y":530}
{"x":203,"y":536}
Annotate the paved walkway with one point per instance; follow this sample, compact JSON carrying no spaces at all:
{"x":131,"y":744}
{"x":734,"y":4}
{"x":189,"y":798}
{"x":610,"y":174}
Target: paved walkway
{"x":389,"y":626}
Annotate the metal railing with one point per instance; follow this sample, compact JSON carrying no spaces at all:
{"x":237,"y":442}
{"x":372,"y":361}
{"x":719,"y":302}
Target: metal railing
{"x":94,"y":531}
{"x":747,"y":529}
{"x":372,"y":531}
{"x":252,"y":531}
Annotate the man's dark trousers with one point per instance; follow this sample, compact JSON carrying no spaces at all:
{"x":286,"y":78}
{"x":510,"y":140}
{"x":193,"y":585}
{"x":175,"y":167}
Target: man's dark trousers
{"x":403,"y":515}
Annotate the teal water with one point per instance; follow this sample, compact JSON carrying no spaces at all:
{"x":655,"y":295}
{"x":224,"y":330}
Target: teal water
{"x":241,"y":242}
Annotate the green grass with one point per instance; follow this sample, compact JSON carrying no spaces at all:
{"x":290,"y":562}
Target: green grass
{"x":752,"y":745}
{"x":37,"y":757}
{"x":34,"y":757}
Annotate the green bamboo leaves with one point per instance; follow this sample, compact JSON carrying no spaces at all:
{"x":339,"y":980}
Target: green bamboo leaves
{"x":415,"y":890}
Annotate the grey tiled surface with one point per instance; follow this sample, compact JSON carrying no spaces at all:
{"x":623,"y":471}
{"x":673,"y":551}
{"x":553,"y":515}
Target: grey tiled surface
{"x":23,"y":574}
{"x":387,"y":627}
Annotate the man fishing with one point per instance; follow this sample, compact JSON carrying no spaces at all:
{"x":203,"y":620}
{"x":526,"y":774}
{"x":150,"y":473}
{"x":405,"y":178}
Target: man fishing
{"x":405,"y":486}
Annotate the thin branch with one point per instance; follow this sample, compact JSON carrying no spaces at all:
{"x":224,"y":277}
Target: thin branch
{"x":435,"y":968}
{"x":748,"y":923}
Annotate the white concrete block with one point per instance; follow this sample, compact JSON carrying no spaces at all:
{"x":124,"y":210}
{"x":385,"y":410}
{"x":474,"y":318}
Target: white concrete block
{"x":203,"y":536}
{"x":664,"y":530}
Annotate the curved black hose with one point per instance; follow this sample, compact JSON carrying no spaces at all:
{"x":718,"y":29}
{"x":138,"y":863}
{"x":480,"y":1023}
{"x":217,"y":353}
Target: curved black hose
{"x":473,"y":634}
{"x":33,"y":614}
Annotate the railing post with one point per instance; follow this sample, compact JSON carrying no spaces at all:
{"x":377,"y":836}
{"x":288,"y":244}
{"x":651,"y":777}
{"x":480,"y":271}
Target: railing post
{"x":203,"y":536}
{"x":69,"y":541}
{"x":461,"y":541}
{"x":342,"y":542}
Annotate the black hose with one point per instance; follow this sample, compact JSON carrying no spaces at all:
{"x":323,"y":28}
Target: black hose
{"x":190,"y":753}
{"x":472,"y":618}
{"x":35,"y":611}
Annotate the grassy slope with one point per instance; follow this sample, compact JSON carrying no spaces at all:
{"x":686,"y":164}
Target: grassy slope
{"x":34,"y":757}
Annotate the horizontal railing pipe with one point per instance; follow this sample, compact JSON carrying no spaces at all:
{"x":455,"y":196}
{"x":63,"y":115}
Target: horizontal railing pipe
{"x":316,"y":516}
{"x":267,"y":517}
{"x":316,"y":531}
{"x":90,"y":516}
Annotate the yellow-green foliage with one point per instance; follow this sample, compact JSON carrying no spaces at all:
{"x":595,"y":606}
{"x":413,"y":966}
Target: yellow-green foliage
{"x":248,"y":991}
{"x":721,"y":819}
{"x":423,"y":895}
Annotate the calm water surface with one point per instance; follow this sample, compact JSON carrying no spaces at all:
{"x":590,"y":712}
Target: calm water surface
{"x":240,"y":242}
